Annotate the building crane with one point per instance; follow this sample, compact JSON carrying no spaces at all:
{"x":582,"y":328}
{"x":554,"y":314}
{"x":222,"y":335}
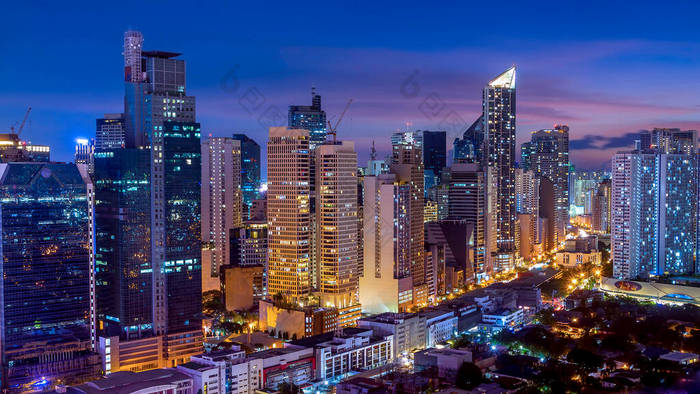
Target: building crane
{"x":332,"y":129}
{"x":21,"y":126}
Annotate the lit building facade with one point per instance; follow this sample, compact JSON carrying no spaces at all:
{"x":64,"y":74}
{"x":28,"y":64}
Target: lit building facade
{"x":549,"y":158}
{"x":46,"y":217}
{"x":407,"y":165}
{"x":250,"y":171}
{"x":110,"y":132}
{"x":309,"y":117}
{"x":654,"y":211}
{"x":163,"y":140}
{"x":288,"y":213}
{"x":499,"y":141}
{"x":336,"y":229}
{"x":386,"y":284}
{"x":221,"y":205}
{"x":468,"y":200}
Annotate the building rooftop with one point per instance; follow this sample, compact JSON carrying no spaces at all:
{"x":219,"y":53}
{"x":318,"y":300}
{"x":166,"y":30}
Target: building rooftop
{"x":129,"y":382}
{"x":679,"y":356}
{"x":389,"y":317}
{"x":195,"y":366}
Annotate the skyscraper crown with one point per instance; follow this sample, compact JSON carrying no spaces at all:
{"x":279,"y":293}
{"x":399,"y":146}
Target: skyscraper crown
{"x":505,"y":80}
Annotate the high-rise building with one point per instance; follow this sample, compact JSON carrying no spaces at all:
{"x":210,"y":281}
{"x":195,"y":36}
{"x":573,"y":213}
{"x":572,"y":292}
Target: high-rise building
{"x":449,"y":255}
{"x":470,"y":149}
{"x":654,"y":209}
{"x":468,"y":201}
{"x":499,"y":141}
{"x":221,"y":205}
{"x":311,"y":118}
{"x":549,"y":158}
{"x":45,"y":288}
{"x":250,"y":171}
{"x":434,"y":156}
{"x":84,"y":153}
{"x":110,"y":132}
{"x":527,"y":186}
{"x":601,"y":207}
{"x":159,"y":120}
{"x":288,"y":213}
{"x":407,"y":165}
{"x":386,"y":284}
{"x":336,"y":229}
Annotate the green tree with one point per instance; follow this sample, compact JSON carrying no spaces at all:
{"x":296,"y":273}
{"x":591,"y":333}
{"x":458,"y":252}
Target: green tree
{"x":288,"y":388}
{"x":212,"y":302}
{"x":585,"y":359}
{"x":469,"y":376}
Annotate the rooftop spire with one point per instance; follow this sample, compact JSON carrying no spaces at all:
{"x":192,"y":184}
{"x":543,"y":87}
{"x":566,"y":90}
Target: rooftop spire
{"x":505,"y":80}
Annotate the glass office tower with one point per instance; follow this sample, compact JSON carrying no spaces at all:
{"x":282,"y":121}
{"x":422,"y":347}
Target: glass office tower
{"x":45,"y":272}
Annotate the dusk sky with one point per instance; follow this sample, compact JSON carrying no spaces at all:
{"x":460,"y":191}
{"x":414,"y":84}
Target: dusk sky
{"x":606,"y":69}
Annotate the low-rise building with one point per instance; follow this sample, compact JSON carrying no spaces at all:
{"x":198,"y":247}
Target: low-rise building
{"x":155,"y":381}
{"x":503,"y":318}
{"x":582,"y":250}
{"x":294,"y":322}
{"x":582,"y":297}
{"x":360,"y":385}
{"x":407,"y":329}
{"x":352,"y":349}
{"x":680,"y":358}
{"x":440,"y":325}
{"x":445,"y":362}
{"x":205,"y":378}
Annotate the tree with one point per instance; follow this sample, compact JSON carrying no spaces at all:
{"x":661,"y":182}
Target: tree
{"x":212,"y":302}
{"x":469,"y":376}
{"x":288,"y":388}
{"x":584,"y":358}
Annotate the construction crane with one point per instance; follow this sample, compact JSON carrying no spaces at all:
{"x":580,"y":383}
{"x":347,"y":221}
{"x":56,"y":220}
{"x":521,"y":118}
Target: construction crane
{"x":21,"y":126}
{"x":332,"y":129}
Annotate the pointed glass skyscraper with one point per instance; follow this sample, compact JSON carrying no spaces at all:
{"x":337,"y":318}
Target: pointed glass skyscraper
{"x":499,"y":141}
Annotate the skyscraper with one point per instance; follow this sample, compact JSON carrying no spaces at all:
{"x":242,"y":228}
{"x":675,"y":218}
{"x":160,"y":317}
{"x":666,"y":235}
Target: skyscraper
{"x":499,"y":141}
{"x":549,"y":158}
{"x":470,"y":149}
{"x":407,"y":165}
{"x":527,"y":186}
{"x":109,"y":133}
{"x":434,"y":156}
{"x":336,"y":233}
{"x":386,"y":284}
{"x":468,"y":201}
{"x":221,"y":205}
{"x":84,"y":153}
{"x":654,"y":209}
{"x":311,"y":118}
{"x":601,"y":207}
{"x":45,"y":288}
{"x":159,"y":121}
{"x":250,"y":171}
{"x":288,"y":213}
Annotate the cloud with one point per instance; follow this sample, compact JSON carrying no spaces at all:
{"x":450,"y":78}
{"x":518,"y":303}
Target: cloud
{"x":591,"y":141}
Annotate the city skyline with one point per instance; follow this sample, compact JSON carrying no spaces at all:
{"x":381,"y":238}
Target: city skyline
{"x":604,"y":84}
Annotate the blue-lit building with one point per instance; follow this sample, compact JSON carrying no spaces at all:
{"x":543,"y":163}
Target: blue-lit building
{"x":147,"y":248}
{"x":45,"y":290}
{"x":434,"y":156}
{"x":250,"y":170}
{"x":470,"y":148}
{"x":183,"y":251}
{"x":123,"y":240}
{"x":654,"y":211}
{"x":309,"y":117}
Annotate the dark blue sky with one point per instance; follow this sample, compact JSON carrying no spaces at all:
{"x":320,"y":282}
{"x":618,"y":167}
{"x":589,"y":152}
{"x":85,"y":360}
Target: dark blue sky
{"x":607,"y":69}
